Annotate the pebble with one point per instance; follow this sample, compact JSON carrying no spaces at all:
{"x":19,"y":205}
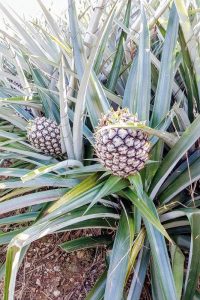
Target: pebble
{"x":56,"y":268}
{"x":38,"y":282}
{"x":80,"y":254}
{"x":27,"y":265}
{"x":56,"y":293}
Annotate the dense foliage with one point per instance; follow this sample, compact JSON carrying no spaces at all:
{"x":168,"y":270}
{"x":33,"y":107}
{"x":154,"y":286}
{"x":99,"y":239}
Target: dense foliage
{"x":71,"y":72}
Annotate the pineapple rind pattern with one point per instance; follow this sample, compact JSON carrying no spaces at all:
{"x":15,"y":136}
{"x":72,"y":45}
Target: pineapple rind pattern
{"x":44,"y":135}
{"x":123,"y":151}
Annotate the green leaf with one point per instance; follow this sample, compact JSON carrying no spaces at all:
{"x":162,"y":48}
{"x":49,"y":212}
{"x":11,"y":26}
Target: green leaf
{"x":73,"y":202}
{"x":166,"y":76}
{"x":97,"y":292}
{"x":79,"y":189}
{"x":155,"y":285}
{"x":107,"y":223}
{"x":37,"y":183}
{"x":138,"y":244}
{"x":53,"y":167}
{"x":188,"y":138}
{"x":82,"y":93}
{"x":143,"y":79}
{"x":188,"y":72}
{"x":139,"y":273}
{"x":196,"y":295}
{"x":66,"y":132}
{"x":85,"y":243}
{"x":177,"y":268}
{"x":181,"y":168}
{"x":21,"y":218}
{"x":12,"y":256}
{"x":193,"y":269}
{"x":185,"y":179}
{"x":20,"y":28}
{"x":144,"y":210}
{"x":116,"y":66}
{"x":31,"y":199}
{"x":190,"y":38}
{"x":106,"y":189}
{"x":119,"y":258}
{"x":6,"y":237}
{"x":130,"y":88}
{"x":96,"y":101}
{"x":160,"y":256}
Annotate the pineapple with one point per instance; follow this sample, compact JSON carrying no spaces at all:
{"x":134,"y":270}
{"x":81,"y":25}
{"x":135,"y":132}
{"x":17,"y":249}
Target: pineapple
{"x":44,"y":134}
{"x":124,"y":151}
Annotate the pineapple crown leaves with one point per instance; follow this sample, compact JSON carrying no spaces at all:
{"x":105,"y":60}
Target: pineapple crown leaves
{"x":119,"y":116}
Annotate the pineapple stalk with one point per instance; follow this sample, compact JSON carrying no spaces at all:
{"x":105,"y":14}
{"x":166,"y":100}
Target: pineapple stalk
{"x":90,"y":35}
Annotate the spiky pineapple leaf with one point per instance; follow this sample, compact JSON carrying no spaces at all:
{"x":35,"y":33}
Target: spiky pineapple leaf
{"x":96,"y":102}
{"x":85,"y":243}
{"x":6,"y":237}
{"x":184,"y":180}
{"x":193,"y":269}
{"x":178,"y":260}
{"x":191,"y":40}
{"x":141,"y":97}
{"x":166,"y":75}
{"x":84,"y":186}
{"x":31,"y":199}
{"x":82,"y":93}
{"x":139,"y":273}
{"x":188,"y":138}
{"x":119,"y":258}
{"x":18,"y":219}
{"x":97,"y":292}
{"x":116,"y":66}
{"x":144,"y":210}
{"x":106,"y":189}
{"x":160,"y":256}
{"x":50,"y":168}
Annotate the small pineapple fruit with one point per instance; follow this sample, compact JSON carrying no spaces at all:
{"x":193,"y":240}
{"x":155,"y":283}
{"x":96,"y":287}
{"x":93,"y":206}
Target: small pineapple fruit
{"x":44,"y":135}
{"x":124,"y":151}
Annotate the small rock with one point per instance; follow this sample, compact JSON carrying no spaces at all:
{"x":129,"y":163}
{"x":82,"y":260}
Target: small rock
{"x":56,"y":268}
{"x":38,"y":282}
{"x":27,"y":265}
{"x":80,"y":254}
{"x":56,"y":293}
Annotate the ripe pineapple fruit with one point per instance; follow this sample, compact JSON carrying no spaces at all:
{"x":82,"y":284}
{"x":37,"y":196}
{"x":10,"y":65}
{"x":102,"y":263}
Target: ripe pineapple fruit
{"x":44,"y":134}
{"x":124,"y":151}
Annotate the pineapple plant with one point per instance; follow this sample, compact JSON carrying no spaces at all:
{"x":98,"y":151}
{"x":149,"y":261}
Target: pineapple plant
{"x":127,"y":123}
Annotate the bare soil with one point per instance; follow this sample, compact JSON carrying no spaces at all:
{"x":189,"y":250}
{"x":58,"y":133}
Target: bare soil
{"x":49,"y":273}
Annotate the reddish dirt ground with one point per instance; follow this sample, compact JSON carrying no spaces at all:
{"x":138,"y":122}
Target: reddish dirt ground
{"x":49,"y":273}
